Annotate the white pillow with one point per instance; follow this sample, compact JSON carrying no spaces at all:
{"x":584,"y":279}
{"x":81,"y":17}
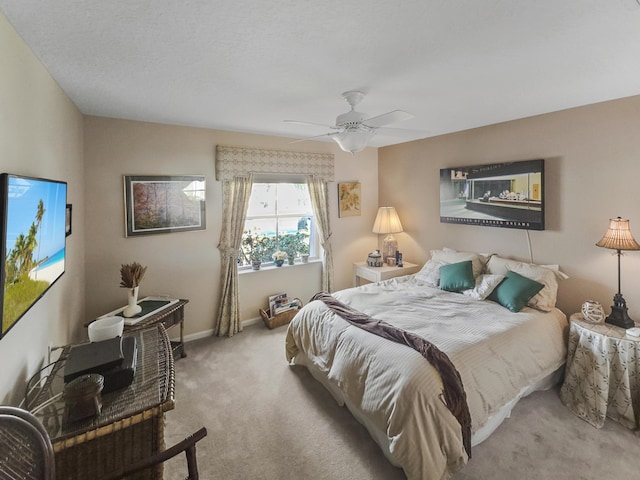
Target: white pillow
{"x":448,"y":255}
{"x":430,"y":273}
{"x":546,"y":298}
{"x":500,"y":265}
{"x":556,"y":271}
{"x":484,"y":286}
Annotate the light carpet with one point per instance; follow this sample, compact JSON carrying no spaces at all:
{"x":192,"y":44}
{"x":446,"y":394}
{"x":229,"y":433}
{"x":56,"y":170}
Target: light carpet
{"x":267,"y":420}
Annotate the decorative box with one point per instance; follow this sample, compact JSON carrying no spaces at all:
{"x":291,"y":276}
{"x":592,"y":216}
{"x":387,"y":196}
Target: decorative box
{"x":374,"y":259}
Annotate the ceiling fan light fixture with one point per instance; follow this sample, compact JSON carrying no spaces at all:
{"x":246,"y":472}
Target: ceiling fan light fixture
{"x":353,"y":141}
{"x":354,"y":129}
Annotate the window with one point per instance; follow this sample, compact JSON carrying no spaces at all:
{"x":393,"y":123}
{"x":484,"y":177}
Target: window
{"x":279,"y":217}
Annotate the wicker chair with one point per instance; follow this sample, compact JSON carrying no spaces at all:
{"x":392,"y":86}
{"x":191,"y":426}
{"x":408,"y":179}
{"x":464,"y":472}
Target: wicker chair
{"x":26,"y":451}
{"x":188,"y":446}
{"x":25,"y":448}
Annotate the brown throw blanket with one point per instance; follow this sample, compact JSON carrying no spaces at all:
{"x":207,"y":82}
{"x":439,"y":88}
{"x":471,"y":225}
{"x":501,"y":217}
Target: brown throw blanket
{"x":454,"y":394}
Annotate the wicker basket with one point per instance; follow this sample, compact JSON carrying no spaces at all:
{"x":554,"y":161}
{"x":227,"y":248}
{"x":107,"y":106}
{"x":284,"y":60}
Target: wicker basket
{"x":281,"y":318}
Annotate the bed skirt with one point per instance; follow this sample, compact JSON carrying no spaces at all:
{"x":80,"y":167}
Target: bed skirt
{"x":477,"y":436}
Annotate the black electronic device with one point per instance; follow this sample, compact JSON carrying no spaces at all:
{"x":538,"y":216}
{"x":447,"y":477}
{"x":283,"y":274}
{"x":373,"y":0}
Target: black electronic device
{"x":115,"y":359}
{"x":122,"y":375}
{"x":95,"y":357}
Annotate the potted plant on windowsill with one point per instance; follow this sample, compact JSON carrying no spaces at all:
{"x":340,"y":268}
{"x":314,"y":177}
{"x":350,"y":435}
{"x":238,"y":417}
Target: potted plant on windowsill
{"x":279,"y":257}
{"x":254,"y":247}
{"x":294,"y":244}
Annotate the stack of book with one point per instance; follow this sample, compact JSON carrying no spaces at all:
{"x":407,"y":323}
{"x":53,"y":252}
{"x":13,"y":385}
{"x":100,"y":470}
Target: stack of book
{"x":281,"y":303}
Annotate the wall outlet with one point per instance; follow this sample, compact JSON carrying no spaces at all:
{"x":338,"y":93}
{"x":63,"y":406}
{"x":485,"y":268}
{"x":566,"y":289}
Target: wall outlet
{"x":53,"y":353}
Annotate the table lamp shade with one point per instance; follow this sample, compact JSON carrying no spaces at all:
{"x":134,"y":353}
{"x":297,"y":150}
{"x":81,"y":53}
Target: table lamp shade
{"x":618,"y":236}
{"x":388,"y":222}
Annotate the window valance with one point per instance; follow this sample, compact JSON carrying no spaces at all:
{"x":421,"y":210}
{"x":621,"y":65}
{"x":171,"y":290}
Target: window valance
{"x":240,"y":161}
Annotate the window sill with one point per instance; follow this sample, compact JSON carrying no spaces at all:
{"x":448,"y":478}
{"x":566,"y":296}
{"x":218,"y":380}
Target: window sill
{"x":270,"y":267}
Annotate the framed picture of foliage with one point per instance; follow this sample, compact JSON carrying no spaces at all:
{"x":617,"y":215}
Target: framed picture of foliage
{"x":349,"y":199}
{"x":163,"y":204}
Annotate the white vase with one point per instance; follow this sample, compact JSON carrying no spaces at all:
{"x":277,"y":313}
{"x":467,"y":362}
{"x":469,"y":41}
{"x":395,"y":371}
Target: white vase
{"x":132,"y":308}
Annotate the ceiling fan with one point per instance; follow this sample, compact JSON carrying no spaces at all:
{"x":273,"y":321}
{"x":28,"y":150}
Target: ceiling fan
{"x":353,"y":129}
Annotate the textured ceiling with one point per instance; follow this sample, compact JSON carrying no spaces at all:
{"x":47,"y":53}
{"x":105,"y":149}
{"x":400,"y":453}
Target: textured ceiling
{"x":248,"y":65}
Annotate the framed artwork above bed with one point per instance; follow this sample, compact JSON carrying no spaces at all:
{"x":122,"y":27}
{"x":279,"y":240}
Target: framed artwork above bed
{"x":508,"y":195}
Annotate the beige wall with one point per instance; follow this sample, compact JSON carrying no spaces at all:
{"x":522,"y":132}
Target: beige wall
{"x":40,"y":136}
{"x":187,"y":264}
{"x":592,"y":168}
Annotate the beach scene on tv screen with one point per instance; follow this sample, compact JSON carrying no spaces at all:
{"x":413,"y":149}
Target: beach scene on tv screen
{"x":35,"y":243}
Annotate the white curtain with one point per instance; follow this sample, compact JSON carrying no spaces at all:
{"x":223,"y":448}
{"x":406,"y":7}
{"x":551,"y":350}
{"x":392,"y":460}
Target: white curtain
{"x":320,"y":202}
{"x":236,"y":201}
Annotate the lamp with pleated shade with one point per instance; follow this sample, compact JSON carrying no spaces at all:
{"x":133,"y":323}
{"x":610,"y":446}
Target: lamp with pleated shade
{"x":618,"y":237}
{"x":388,"y":222}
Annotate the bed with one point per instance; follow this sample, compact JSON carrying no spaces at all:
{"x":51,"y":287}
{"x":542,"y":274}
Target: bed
{"x":396,"y":394}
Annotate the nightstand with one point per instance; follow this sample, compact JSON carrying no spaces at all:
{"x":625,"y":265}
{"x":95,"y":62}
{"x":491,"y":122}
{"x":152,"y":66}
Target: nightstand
{"x":378,"y":274}
{"x":602,"y":376}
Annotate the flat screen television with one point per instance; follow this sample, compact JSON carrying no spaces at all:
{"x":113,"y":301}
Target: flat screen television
{"x":509,"y":195}
{"x":33,"y":213}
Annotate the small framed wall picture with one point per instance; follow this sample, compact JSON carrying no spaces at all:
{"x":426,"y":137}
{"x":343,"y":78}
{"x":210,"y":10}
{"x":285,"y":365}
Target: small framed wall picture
{"x":68,"y":218}
{"x":349,"y":199}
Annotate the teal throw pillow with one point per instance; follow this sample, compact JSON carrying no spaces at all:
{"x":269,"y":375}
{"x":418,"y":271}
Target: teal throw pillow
{"x":515,"y":291}
{"x":456,"y":277}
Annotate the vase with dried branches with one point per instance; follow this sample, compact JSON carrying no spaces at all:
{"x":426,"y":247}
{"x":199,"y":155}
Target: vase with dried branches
{"x":131,"y":276}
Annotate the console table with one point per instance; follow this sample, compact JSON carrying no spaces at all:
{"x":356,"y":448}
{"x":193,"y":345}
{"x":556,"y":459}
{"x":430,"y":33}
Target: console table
{"x":169,"y":315}
{"x":131,"y":424}
{"x":172,"y":314}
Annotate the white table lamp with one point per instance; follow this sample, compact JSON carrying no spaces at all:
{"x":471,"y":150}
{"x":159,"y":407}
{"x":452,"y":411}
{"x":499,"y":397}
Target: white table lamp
{"x":387,"y":222}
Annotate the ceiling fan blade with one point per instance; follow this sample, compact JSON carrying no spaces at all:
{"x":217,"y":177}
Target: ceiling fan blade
{"x":315,"y":136}
{"x":401,"y":132}
{"x":310,"y":123}
{"x":387,"y":118}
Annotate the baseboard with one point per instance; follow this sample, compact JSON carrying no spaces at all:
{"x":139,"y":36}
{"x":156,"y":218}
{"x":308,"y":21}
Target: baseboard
{"x":207,"y":333}
{"x":195,"y":336}
{"x":251,"y":321}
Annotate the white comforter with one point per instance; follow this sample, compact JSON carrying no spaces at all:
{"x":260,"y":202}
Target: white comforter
{"x":498,"y":354}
